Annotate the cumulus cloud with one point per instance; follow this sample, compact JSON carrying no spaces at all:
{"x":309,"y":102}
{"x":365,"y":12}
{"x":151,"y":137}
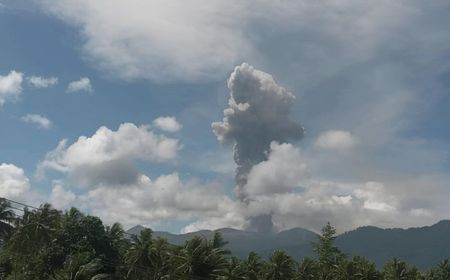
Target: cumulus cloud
{"x":40,"y":121}
{"x":14,"y":183}
{"x":335,"y":140}
{"x":42,"y":82}
{"x":158,"y":40}
{"x":258,"y":114}
{"x":153,"y":202}
{"x":282,"y":172}
{"x":346,"y":204}
{"x":168,"y":124}
{"x":83,"y":84}
{"x":107,"y":155}
{"x":61,"y":198}
{"x":379,"y":90}
{"x":312,"y":200}
{"x":10,"y":87}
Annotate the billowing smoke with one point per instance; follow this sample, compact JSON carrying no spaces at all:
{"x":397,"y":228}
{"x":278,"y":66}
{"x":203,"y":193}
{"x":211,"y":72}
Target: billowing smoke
{"x":258,"y":114}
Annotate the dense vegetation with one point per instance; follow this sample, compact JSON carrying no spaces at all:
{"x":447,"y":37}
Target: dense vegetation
{"x":46,"y":244}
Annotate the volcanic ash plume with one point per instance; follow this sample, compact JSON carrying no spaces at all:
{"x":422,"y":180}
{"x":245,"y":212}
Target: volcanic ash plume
{"x":258,"y":114}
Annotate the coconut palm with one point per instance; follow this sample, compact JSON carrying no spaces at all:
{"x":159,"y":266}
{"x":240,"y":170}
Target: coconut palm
{"x":138,"y":257}
{"x":253,"y":266}
{"x":35,"y":229}
{"x":82,"y":266}
{"x":160,"y":259}
{"x":201,"y":259}
{"x":308,"y":269}
{"x":279,"y":267}
{"x":399,"y":270}
{"x":364,"y":269}
{"x":236,"y":270}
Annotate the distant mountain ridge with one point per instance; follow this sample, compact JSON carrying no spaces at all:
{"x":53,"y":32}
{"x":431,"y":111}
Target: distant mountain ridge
{"x":422,"y":246}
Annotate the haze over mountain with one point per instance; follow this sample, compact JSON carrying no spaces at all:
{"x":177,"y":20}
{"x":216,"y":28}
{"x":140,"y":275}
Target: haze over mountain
{"x":422,"y":246}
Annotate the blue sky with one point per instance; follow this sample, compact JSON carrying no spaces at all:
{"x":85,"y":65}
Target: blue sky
{"x":371,"y":93}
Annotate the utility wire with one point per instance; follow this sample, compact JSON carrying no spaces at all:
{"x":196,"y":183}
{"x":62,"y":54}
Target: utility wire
{"x":20,"y":203}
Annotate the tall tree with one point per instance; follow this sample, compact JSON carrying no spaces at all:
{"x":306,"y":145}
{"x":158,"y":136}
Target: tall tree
{"x":328,"y":254}
{"x":6,"y":219}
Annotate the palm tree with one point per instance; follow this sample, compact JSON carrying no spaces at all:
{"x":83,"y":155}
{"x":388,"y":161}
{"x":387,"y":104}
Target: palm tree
{"x":253,"y":266}
{"x":235,"y":270}
{"x":364,"y":269}
{"x":279,"y":267}
{"x":115,"y":235}
{"x":6,"y":219}
{"x":35,"y":228}
{"x":308,"y":269}
{"x":138,"y":257}
{"x":160,"y":259}
{"x":440,"y":272}
{"x":201,"y":259}
{"x":344,"y":270}
{"x":82,"y":266}
{"x":399,"y":270}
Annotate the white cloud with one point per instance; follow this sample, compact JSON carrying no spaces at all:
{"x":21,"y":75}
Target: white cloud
{"x":83,"y":84}
{"x":336,"y":140}
{"x":176,"y":40}
{"x":378,"y":89}
{"x":159,"y":40}
{"x":107,"y":155}
{"x":154,"y":202}
{"x":10,"y":87}
{"x":42,"y":82}
{"x":61,"y":198}
{"x":283,"y":187}
{"x":14,"y":184}
{"x":168,"y":124}
{"x":280,"y":173}
{"x":41,"y":121}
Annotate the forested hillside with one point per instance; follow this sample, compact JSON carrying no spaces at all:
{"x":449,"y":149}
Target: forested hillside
{"x":45,"y":243}
{"x":422,"y":247}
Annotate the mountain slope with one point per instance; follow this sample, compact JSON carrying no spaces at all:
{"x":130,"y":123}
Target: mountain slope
{"x":422,"y":247}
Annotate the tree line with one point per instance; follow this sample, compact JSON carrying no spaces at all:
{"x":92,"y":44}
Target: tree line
{"x":46,"y":243}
